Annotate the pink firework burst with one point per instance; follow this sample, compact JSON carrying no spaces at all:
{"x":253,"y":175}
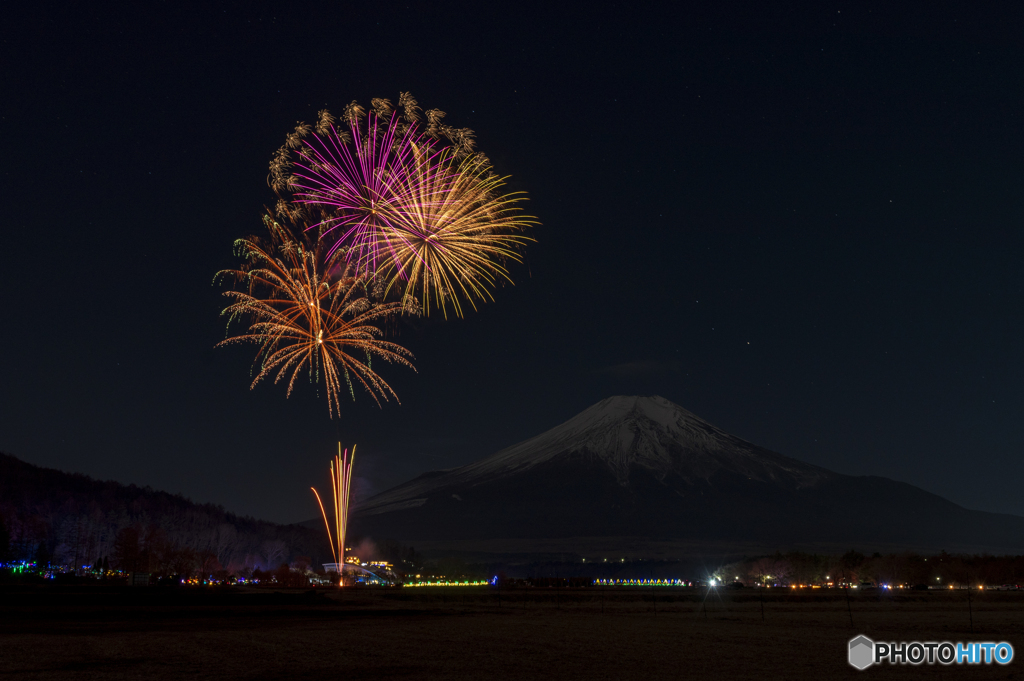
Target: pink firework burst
{"x":364,"y":187}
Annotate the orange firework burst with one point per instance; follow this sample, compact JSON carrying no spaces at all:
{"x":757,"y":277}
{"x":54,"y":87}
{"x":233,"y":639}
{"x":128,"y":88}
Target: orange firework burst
{"x":308,"y":312}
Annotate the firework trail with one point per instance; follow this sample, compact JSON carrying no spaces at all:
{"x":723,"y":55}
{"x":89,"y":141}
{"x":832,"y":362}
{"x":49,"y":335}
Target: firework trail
{"x":341,"y":485}
{"x":307,"y":311}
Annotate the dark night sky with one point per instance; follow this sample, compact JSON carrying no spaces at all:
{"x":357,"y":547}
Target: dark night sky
{"x":801,"y":225}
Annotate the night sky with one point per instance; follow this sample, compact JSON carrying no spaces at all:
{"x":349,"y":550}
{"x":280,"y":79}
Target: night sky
{"x":804,"y":226}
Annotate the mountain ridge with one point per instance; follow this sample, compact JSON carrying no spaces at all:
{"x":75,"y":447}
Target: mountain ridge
{"x":643,"y":466}
{"x":63,"y":514}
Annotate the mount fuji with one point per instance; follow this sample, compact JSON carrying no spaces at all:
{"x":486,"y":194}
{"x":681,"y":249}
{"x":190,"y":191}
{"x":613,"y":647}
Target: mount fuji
{"x":644,"y":467}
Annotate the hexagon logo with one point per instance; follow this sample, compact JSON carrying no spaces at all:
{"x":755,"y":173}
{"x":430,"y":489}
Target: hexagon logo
{"x":862,"y":652}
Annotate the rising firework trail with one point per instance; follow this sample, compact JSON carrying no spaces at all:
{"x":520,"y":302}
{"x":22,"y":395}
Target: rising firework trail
{"x":341,"y":484}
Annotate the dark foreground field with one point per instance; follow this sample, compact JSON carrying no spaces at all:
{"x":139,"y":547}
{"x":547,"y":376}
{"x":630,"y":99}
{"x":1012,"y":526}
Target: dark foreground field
{"x":72,"y":633}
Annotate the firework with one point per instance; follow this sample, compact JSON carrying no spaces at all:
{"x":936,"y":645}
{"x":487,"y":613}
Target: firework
{"x":449,"y":238}
{"x":420,"y":210}
{"x":341,"y":484}
{"x":309,"y":312}
{"x":357,"y":188}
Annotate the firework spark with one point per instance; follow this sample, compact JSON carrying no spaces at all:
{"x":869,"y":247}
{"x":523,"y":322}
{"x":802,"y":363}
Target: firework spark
{"x":341,"y":485}
{"x":308,"y":312}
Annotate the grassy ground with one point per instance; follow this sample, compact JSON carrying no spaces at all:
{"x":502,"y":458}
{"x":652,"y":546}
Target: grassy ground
{"x":100,"y":633}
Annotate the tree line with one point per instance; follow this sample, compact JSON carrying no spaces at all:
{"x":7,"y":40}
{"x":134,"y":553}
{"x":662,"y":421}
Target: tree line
{"x":69,"y":519}
{"x":907,"y":568}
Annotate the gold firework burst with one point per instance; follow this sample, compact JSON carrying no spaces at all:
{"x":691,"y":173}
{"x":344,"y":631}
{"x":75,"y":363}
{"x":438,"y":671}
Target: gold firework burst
{"x":308,"y":312}
{"x":450,"y":231}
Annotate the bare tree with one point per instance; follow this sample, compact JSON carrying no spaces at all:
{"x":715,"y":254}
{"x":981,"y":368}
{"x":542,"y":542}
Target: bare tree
{"x":274,"y":552}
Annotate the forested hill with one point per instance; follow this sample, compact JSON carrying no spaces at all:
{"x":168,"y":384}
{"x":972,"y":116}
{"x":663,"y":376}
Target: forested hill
{"x":57,"y":516}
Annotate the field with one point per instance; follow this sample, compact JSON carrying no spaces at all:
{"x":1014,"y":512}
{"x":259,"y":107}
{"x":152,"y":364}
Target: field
{"x":81,"y":632}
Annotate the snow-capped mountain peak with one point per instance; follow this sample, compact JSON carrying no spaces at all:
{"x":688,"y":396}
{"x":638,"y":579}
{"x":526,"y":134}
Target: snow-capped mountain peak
{"x":623,"y":433}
